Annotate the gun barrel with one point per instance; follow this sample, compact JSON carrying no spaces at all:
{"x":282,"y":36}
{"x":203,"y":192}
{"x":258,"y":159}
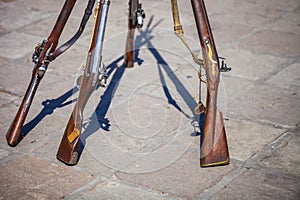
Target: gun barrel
{"x":129,"y":48}
{"x":69,"y":148}
{"x":13,"y":135}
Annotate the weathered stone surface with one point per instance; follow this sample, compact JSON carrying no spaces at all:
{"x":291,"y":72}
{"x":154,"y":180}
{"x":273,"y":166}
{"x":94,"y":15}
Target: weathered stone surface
{"x":6,"y":97}
{"x":13,"y":17}
{"x":146,"y":120}
{"x":176,"y":178}
{"x":14,"y":77}
{"x":226,"y":32}
{"x":248,"y":137}
{"x":43,"y":28}
{"x":119,"y":149}
{"x":251,"y":65}
{"x":89,"y":164}
{"x":287,"y":78}
{"x":25,"y":44}
{"x":261,"y":184}
{"x":115,"y":190}
{"x":31,"y":178}
{"x":288,"y":23}
{"x":283,"y":158}
{"x":271,"y":42}
{"x":42,"y":5}
{"x":229,"y":90}
{"x":261,"y":101}
{"x":3,"y":61}
{"x":138,"y":133}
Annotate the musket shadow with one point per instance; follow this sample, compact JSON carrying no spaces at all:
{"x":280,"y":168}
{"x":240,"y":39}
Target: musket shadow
{"x":101,"y":110}
{"x":98,"y":120}
{"x":106,"y":99}
{"x":48,"y":109}
{"x":145,"y":38}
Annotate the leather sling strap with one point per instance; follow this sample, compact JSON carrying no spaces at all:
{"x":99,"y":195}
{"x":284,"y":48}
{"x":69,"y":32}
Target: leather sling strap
{"x":88,"y":11}
{"x":200,"y":108}
{"x":180,"y":33}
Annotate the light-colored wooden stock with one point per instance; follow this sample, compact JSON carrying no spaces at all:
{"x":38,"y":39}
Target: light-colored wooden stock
{"x":214,"y":148}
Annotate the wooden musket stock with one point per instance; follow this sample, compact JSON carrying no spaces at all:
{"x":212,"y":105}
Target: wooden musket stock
{"x":214,"y":149}
{"x":69,"y":148}
{"x":14,"y":134}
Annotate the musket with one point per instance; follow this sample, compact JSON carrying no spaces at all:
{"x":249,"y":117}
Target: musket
{"x":94,"y":73}
{"x":214,"y":149}
{"x":43,"y":54}
{"x":136,"y":17}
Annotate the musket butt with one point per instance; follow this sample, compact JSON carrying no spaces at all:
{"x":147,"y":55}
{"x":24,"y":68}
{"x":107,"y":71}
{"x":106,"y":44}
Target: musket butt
{"x":215,"y":153}
{"x":68,"y":152}
{"x":203,"y":163}
{"x":129,"y":64}
{"x":13,"y":138}
{"x":67,"y":155}
{"x":68,"y":160}
{"x":12,"y":144}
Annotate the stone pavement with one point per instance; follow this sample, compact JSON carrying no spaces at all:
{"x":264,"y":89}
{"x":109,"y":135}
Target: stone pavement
{"x":139,"y":141}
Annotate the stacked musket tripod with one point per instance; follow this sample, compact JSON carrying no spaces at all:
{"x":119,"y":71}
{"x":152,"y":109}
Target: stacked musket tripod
{"x":214,"y":149}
